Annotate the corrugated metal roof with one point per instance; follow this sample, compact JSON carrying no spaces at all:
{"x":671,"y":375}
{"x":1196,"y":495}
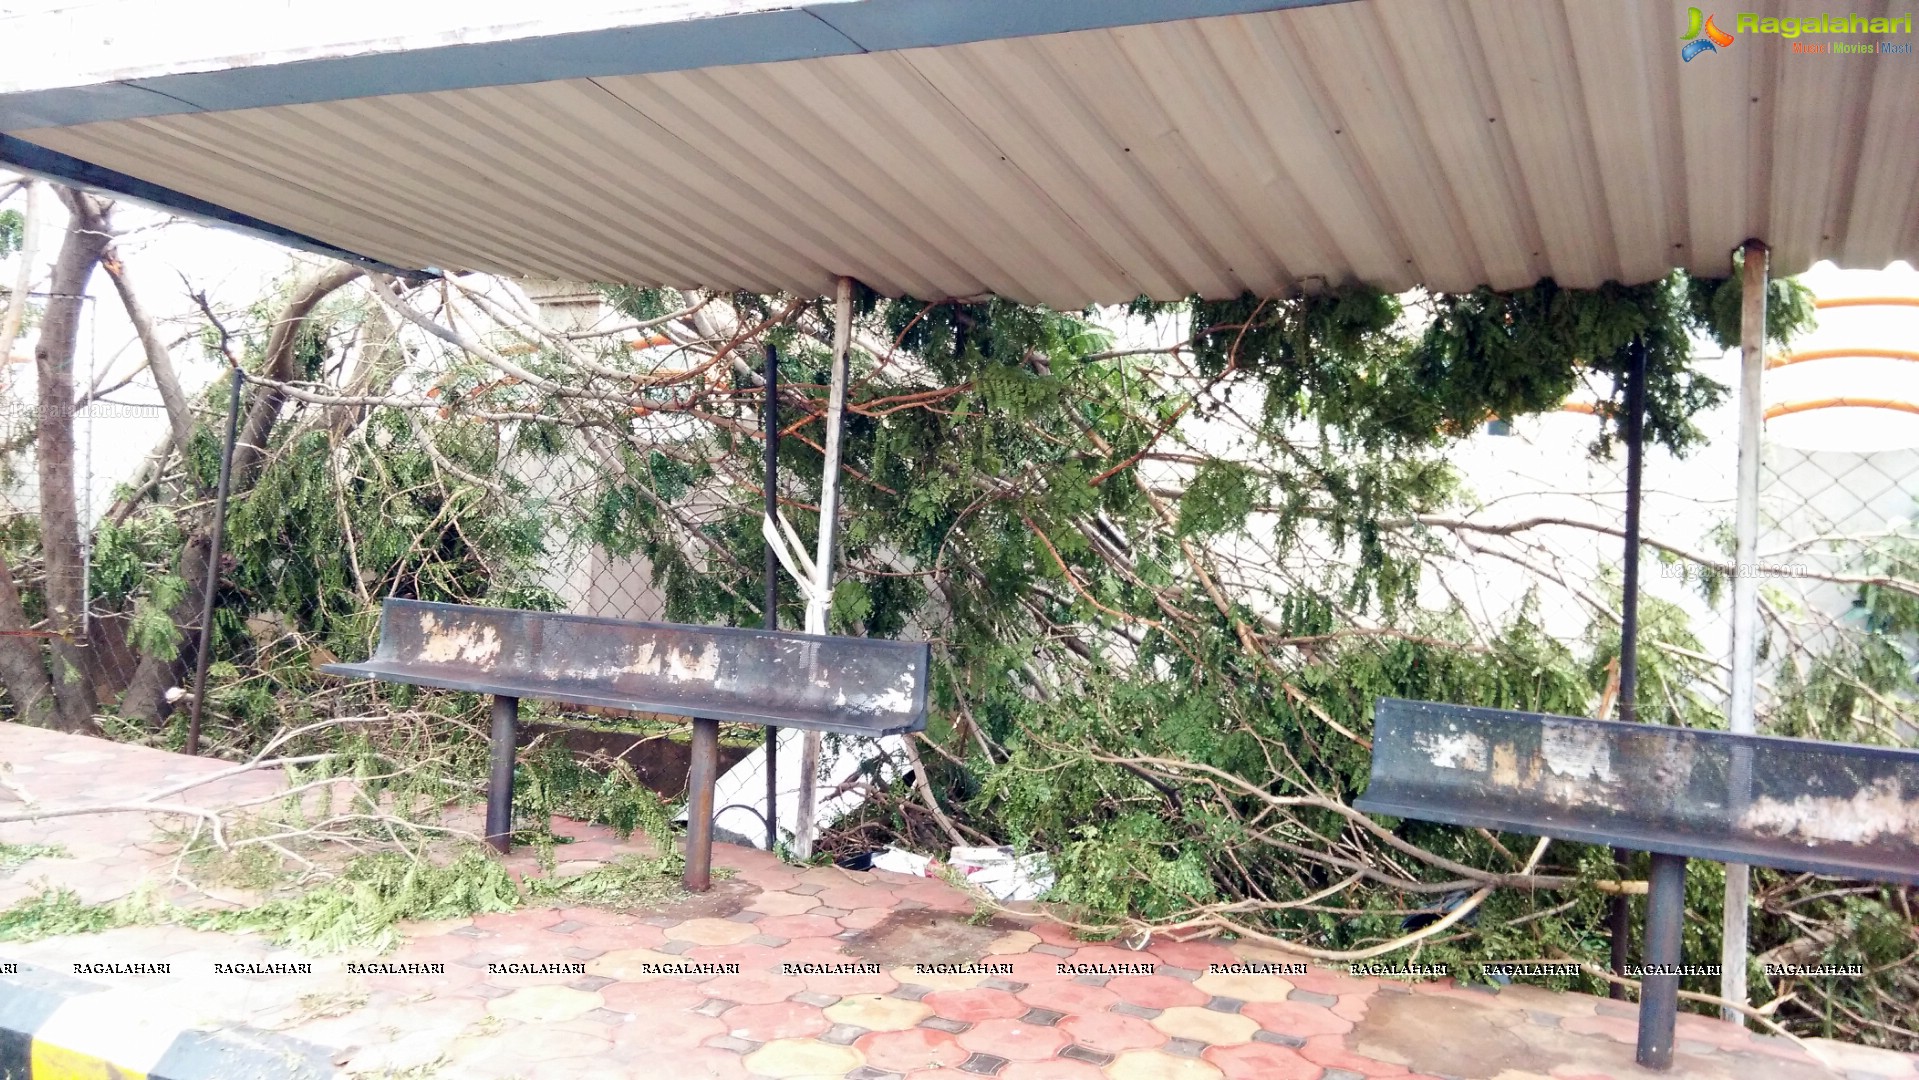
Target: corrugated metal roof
{"x":1440,"y":142}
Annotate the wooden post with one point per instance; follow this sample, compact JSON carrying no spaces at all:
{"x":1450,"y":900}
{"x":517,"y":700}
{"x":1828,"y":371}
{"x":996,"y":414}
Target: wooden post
{"x":1745,"y":605}
{"x":822,"y":593}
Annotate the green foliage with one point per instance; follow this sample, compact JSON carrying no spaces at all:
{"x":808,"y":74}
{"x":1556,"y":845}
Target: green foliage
{"x":629,"y":883}
{"x":54,"y":912}
{"x":13,"y":231}
{"x":13,"y":855}
{"x":362,"y":908}
{"x":1220,"y":496}
{"x":550,"y":780}
{"x":152,"y":631}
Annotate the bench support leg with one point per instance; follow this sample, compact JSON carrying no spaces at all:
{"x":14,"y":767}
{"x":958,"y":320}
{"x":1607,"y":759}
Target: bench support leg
{"x":701,"y":777}
{"x":1659,"y":993}
{"x":499,"y":793}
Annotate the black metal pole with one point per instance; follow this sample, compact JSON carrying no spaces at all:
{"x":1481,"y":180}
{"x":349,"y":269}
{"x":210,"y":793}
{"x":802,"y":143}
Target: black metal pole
{"x":499,"y":793}
{"x":205,"y":647}
{"x":1620,"y":918}
{"x":1659,"y":983}
{"x":701,"y":778}
{"x":772,"y":579}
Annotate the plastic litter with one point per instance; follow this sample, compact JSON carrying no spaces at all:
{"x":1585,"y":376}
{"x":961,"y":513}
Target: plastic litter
{"x":1003,"y":874}
{"x":901,"y":862}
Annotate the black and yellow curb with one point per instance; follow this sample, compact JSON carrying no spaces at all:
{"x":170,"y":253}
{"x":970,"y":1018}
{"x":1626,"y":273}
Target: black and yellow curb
{"x":57,"y":1027}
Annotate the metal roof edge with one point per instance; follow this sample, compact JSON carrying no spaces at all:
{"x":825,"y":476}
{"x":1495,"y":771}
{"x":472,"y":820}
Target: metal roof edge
{"x":799,"y":33}
{"x":64,"y":169}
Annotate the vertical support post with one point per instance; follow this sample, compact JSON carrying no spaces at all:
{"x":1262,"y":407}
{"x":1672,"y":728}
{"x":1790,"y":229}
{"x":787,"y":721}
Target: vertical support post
{"x":499,"y":792}
{"x":1753,"y":285}
{"x":1659,"y":986}
{"x":700,"y":779}
{"x":214,"y":544}
{"x":772,"y":616}
{"x":1619,"y":918}
{"x":822,"y":592}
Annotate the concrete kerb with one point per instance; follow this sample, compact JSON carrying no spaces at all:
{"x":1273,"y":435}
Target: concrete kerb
{"x":57,"y":1027}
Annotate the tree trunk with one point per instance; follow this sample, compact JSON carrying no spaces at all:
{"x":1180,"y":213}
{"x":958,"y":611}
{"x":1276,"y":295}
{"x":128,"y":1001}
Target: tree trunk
{"x":86,"y":240}
{"x":22,"y":670}
{"x":145,"y":699}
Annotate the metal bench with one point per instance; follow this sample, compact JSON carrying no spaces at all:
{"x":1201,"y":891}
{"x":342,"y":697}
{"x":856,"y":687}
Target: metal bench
{"x":853,"y":686}
{"x":1794,"y":804}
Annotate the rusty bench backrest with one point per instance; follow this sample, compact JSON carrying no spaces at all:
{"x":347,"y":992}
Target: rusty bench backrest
{"x":859,"y":686}
{"x":1795,"y":804}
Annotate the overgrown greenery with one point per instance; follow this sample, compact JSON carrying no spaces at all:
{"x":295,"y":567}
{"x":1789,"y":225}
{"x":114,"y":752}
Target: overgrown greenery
{"x":1165,"y":587}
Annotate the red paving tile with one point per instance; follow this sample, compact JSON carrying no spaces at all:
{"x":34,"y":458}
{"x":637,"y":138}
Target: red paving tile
{"x":1615,"y":1027}
{"x":1295,"y":1018}
{"x":1014,"y":1040}
{"x":1057,"y":1069}
{"x":1261,"y":1061}
{"x":1332,"y":1052}
{"x":1351,"y":1007}
{"x":753,"y":987}
{"x":914,"y":1048}
{"x":660,"y":995}
{"x":1069,"y":997}
{"x":844,"y":896}
{"x":1112,"y":1032}
{"x":781,"y":1020}
{"x":667,"y":1028}
{"x":1193,"y":955}
{"x":798,"y":926}
{"x":647,"y":1028}
{"x":1156,"y":991}
{"x":972,"y":1006}
{"x":849,"y":985}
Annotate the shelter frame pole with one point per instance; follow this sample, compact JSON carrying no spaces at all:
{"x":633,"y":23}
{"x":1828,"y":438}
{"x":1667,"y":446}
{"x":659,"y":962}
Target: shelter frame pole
{"x":820,"y":601}
{"x":214,"y":543}
{"x":1659,"y":986}
{"x":499,"y":790}
{"x":1619,"y":918}
{"x":701,"y":777}
{"x":1755,"y":272}
{"x":772,"y":616}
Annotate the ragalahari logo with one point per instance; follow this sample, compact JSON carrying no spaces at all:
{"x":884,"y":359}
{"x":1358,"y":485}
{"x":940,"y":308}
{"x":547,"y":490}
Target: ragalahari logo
{"x":1713,"y":40}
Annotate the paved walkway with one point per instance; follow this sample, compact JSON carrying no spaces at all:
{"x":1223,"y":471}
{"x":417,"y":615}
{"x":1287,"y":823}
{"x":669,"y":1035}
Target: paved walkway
{"x":763,"y":996}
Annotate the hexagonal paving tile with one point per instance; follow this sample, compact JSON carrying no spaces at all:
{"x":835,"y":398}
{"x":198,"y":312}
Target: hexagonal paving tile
{"x":1153,"y":1065}
{"x":1245,"y":987}
{"x":628,"y":965}
{"x":876,"y":1013}
{"x":911,"y":1050}
{"x":972,"y":1006}
{"x":802,"y":1057}
{"x":1296,"y":1018}
{"x":1014,"y":1040}
{"x":1068,"y":997}
{"x":544,"y":1004}
{"x":1056,"y":1069}
{"x":780,"y":902}
{"x":1012,"y":942}
{"x":711,"y":932}
{"x":1205,"y":1025}
{"x":1261,"y":1061}
{"x":779,"y":1020}
{"x":753,"y":987}
{"x":1157,"y":991}
{"x":1112,"y":1033}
